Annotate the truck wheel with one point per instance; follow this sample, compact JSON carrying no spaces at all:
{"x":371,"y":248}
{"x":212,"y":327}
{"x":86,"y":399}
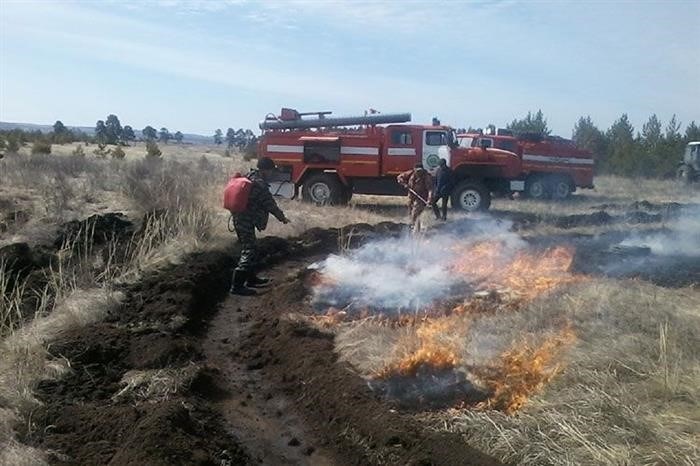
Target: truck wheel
{"x":537,"y":188}
{"x":561,"y":189}
{"x":471,"y":196}
{"x":323,"y":189}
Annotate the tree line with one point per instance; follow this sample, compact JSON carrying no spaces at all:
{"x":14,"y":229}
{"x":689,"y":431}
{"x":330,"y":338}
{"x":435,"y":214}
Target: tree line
{"x":238,"y":138}
{"x":655,"y":151}
{"x":108,"y":131}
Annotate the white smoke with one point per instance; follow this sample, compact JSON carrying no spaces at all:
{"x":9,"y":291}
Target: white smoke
{"x":681,"y":238}
{"x":406,"y":273}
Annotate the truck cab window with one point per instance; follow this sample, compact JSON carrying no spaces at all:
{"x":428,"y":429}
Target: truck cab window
{"x":401,"y":137}
{"x":436,"y":138}
{"x":485,"y":143}
{"x":506,"y":145}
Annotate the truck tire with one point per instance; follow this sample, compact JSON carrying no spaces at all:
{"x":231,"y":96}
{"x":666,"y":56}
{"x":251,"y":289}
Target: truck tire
{"x":560,"y":188}
{"x":536,"y":187}
{"x":471,"y":196}
{"x":323,"y":189}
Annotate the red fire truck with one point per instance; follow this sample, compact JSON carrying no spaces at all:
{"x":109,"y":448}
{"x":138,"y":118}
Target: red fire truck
{"x":551,"y":166}
{"x":329,"y":158}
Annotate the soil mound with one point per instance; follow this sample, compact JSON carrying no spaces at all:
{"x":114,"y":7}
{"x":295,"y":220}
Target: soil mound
{"x":98,"y":229}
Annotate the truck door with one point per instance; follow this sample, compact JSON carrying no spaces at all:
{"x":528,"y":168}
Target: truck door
{"x":435,"y":148}
{"x":401,"y":154}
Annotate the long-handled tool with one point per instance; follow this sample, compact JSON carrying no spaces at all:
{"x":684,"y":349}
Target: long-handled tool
{"x":418,"y":196}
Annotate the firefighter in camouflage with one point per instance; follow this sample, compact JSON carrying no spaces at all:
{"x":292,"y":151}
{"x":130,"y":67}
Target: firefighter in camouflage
{"x":420,"y":185}
{"x":260,"y":205}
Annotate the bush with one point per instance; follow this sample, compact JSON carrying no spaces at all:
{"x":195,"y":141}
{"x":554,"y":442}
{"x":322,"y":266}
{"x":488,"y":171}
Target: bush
{"x":152,"y":150}
{"x":118,"y":153}
{"x":41,"y":147}
{"x":101,"y":150}
{"x":78,"y":151}
{"x":12,"y":145}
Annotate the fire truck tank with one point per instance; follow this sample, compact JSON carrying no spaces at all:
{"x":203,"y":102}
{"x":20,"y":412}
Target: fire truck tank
{"x":322,"y":122}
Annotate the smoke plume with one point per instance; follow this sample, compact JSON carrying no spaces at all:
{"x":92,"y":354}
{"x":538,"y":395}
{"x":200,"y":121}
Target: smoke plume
{"x":404,"y":274}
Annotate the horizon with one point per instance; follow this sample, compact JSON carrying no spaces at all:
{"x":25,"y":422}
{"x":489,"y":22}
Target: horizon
{"x":195,"y":66}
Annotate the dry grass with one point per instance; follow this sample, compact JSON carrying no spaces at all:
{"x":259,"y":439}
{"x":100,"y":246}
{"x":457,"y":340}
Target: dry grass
{"x":628,"y":394}
{"x":78,"y":289}
{"x":155,"y":385}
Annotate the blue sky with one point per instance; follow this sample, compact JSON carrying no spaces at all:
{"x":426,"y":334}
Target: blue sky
{"x":199,"y":65}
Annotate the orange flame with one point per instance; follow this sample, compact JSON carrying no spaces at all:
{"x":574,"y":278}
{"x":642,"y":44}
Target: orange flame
{"x":527,"y":274}
{"x":434,"y":351}
{"x":522,"y":371}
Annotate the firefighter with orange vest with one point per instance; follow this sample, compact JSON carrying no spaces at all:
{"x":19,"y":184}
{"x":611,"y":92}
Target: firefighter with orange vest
{"x":255,"y":215}
{"x":420,"y":185}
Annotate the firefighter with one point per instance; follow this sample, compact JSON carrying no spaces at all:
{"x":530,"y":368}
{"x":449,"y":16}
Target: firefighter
{"x":443,"y":189}
{"x":260,"y":205}
{"x":420,"y":185}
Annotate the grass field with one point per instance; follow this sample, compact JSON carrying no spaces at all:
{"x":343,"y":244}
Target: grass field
{"x":628,"y":393}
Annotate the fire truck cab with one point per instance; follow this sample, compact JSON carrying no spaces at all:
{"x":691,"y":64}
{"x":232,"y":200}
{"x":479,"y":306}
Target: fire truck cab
{"x":328,"y":159}
{"x":550,"y":166}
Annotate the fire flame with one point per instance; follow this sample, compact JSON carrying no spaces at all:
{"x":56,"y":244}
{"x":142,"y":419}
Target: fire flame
{"x":522,"y":371}
{"x":434,"y":351}
{"x":525,"y":273}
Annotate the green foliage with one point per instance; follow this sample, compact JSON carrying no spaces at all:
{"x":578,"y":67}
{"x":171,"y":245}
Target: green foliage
{"x":41,"y":147}
{"x":164,"y":135}
{"x":622,"y":148}
{"x":113,"y":130}
{"x":178,"y":137}
{"x":128,"y":134}
{"x":218,"y":137}
{"x":152,"y":150}
{"x":100,"y":132}
{"x":61,"y":134}
{"x":536,"y":123}
{"x":588,"y":136}
{"x":118,"y":153}
{"x":230,"y":137}
{"x":149,"y":133}
{"x":692,"y":132}
{"x":655,"y":152}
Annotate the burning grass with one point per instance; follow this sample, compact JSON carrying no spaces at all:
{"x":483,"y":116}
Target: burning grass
{"x":522,"y":371}
{"x":431,"y":335}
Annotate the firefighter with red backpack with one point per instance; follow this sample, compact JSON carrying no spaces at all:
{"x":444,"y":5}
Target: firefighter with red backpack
{"x":250,"y":203}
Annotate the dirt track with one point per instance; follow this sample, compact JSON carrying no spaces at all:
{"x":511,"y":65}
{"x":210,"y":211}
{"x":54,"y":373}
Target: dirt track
{"x":262,"y":388}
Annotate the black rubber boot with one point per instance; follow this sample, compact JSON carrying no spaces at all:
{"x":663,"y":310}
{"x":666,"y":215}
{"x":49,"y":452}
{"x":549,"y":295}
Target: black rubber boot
{"x":238,"y":287}
{"x":257,"y":282}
